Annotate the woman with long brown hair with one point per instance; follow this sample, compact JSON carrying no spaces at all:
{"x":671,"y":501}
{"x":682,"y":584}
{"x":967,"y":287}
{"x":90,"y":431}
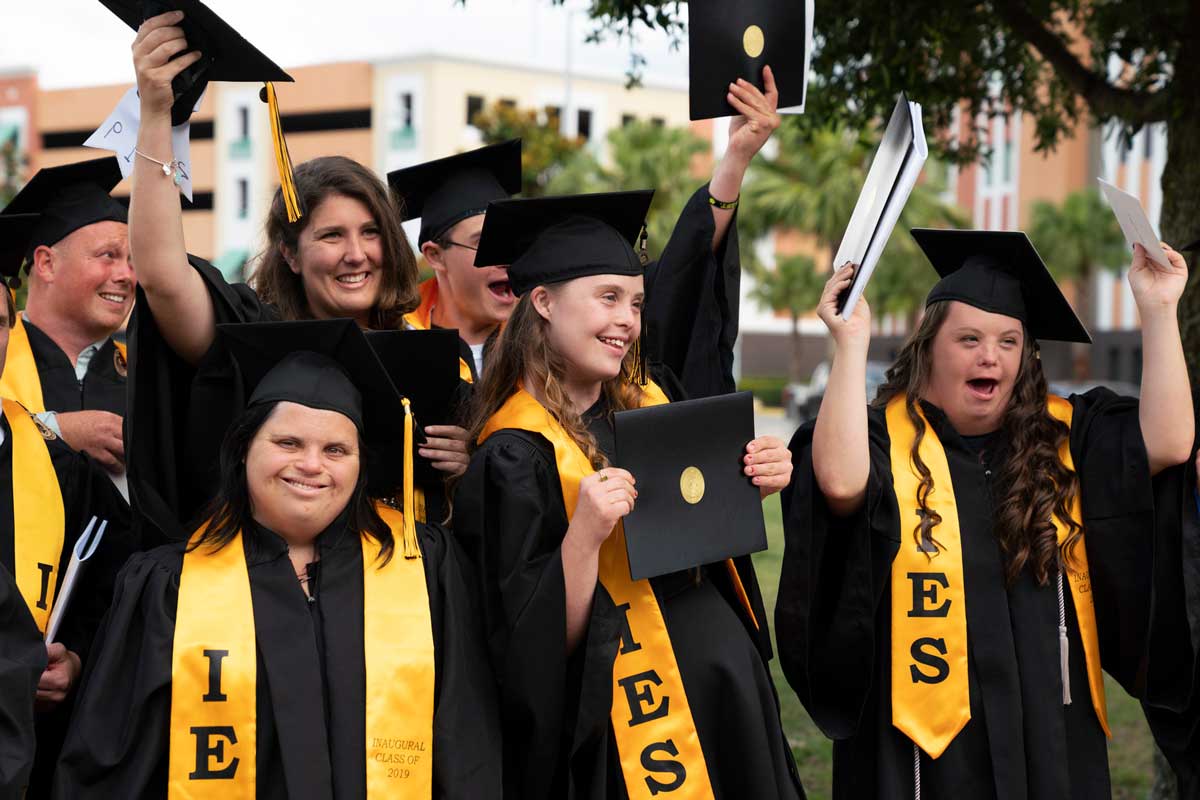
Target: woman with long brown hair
{"x":346,"y":256}
{"x":968,"y":553}
{"x":611,"y":687}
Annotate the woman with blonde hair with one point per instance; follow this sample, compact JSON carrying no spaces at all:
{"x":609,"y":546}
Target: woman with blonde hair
{"x":539,"y":510}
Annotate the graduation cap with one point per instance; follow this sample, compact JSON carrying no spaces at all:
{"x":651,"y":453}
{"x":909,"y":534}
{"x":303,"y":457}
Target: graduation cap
{"x":225,"y":56}
{"x":423,"y":365}
{"x":554,"y":239}
{"x":61,"y":200}
{"x":1000,"y":272}
{"x":731,"y":40}
{"x":328,"y":364}
{"x":695,"y":504}
{"x":448,"y":190}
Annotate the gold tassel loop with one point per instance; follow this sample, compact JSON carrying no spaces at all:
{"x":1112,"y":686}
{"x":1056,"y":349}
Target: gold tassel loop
{"x":283,"y":161}
{"x":411,"y":548}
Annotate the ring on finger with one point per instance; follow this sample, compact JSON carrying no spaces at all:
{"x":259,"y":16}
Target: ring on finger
{"x":603,"y":477}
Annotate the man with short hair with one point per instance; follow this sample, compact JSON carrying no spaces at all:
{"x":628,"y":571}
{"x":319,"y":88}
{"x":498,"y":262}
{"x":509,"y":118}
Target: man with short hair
{"x":48,"y":493}
{"x":64,"y":365}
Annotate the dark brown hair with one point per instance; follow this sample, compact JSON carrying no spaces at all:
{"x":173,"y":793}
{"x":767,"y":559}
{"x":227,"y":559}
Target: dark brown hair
{"x":524,"y":348}
{"x":1038,"y":486}
{"x":230,"y":512}
{"x":316,"y":180}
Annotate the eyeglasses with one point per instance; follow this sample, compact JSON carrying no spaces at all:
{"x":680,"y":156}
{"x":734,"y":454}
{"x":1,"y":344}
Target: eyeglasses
{"x":460,"y":244}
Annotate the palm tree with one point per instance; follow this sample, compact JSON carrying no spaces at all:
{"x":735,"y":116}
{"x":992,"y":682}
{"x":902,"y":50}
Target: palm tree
{"x":793,"y":286}
{"x":811,"y":185}
{"x":1077,"y":238}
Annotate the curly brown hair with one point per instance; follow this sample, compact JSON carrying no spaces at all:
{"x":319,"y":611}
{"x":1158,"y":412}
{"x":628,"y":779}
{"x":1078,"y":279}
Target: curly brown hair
{"x":523,"y":348}
{"x":1039,"y":486}
{"x":316,"y":180}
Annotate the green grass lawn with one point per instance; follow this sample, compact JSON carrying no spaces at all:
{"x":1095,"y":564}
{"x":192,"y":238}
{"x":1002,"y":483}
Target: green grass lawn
{"x":1129,"y":752}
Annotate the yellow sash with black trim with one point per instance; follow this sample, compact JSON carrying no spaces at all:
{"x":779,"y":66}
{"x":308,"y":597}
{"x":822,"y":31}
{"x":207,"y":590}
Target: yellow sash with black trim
{"x":214,"y":675}
{"x":420,"y":318}
{"x":651,"y":720}
{"x":39,"y":520}
{"x":20,"y":379}
{"x":930,"y":694}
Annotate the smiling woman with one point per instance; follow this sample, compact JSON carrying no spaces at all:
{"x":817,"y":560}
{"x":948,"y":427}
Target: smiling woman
{"x":345,"y":257}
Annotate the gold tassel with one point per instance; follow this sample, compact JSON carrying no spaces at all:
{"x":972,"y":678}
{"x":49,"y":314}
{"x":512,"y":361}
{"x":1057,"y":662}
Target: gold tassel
{"x":411,"y":548}
{"x":283,"y":161}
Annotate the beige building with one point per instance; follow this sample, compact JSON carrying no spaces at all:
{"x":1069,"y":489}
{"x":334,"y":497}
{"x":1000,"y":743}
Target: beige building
{"x":387,"y":114}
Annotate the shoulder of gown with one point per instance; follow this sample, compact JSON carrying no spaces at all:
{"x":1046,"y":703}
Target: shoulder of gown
{"x":117,"y":744}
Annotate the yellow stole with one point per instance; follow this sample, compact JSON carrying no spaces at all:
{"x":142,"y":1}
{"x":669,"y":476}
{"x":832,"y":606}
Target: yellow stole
{"x":651,"y":719}
{"x":20,"y":380}
{"x":39,"y":520}
{"x":930,"y":696}
{"x":214,"y":675}
{"x":420,"y":319}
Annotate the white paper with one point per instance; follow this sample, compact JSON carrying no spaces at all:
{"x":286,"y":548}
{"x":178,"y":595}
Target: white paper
{"x":1134,"y":222}
{"x":119,"y":134}
{"x":897,"y":165}
{"x":84,"y":549}
{"x":808,"y":48}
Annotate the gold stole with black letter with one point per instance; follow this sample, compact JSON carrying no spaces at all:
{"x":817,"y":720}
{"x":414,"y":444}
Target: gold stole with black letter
{"x":39,"y":520}
{"x":651,"y":720}
{"x":214,"y":675}
{"x":930,"y":695}
{"x":20,"y":380}
{"x":420,"y":319}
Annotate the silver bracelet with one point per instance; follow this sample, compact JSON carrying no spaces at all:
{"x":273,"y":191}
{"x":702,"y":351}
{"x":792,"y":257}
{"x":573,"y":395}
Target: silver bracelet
{"x":172,"y":169}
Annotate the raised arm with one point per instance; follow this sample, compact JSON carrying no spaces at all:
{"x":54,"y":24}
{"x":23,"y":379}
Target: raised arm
{"x":840,"y":450}
{"x":1166,"y":417}
{"x":175,"y":291}
{"x":748,"y":132}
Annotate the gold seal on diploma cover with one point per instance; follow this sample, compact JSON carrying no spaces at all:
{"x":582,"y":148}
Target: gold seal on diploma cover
{"x":691,"y":485}
{"x":752,"y":41}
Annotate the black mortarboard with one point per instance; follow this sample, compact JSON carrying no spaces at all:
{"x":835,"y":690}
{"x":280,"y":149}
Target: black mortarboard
{"x":695,"y":504}
{"x":423,"y":365}
{"x":553,"y":239}
{"x":448,"y":190}
{"x":65,"y":199}
{"x":225,"y":55}
{"x":1000,"y":272}
{"x":731,"y":40}
{"x":15,"y":232}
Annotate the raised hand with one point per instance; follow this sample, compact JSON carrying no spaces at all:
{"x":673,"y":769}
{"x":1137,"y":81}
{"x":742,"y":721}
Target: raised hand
{"x":857,"y":329}
{"x":1155,"y":285}
{"x":158,"y":40}
{"x":757,"y":117}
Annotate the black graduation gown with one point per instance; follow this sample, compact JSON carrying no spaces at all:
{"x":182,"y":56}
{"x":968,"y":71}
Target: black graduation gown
{"x":311,"y":684}
{"x":558,"y":740}
{"x":102,"y":387}
{"x":86,"y":492}
{"x":22,"y":660}
{"x":1172,"y":693}
{"x":833,"y":618}
{"x":179,"y":413}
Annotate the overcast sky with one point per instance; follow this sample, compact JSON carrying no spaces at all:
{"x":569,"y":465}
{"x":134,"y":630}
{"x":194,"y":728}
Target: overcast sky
{"x":79,"y":43}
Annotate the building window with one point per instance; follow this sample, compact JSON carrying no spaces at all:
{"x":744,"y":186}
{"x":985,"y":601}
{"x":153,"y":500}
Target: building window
{"x":1008,"y":161}
{"x":243,"y":123}
{"x":406,"y":110}
{"x":583,"y":124}
{"x":474,"y":106}
{"x":627,"y":120}
{"x":507,"y":102}
{"x":658,"y":122}
{"x":554,"y":117}
{"x":403,"y":135}
{"x":243,"y":194}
